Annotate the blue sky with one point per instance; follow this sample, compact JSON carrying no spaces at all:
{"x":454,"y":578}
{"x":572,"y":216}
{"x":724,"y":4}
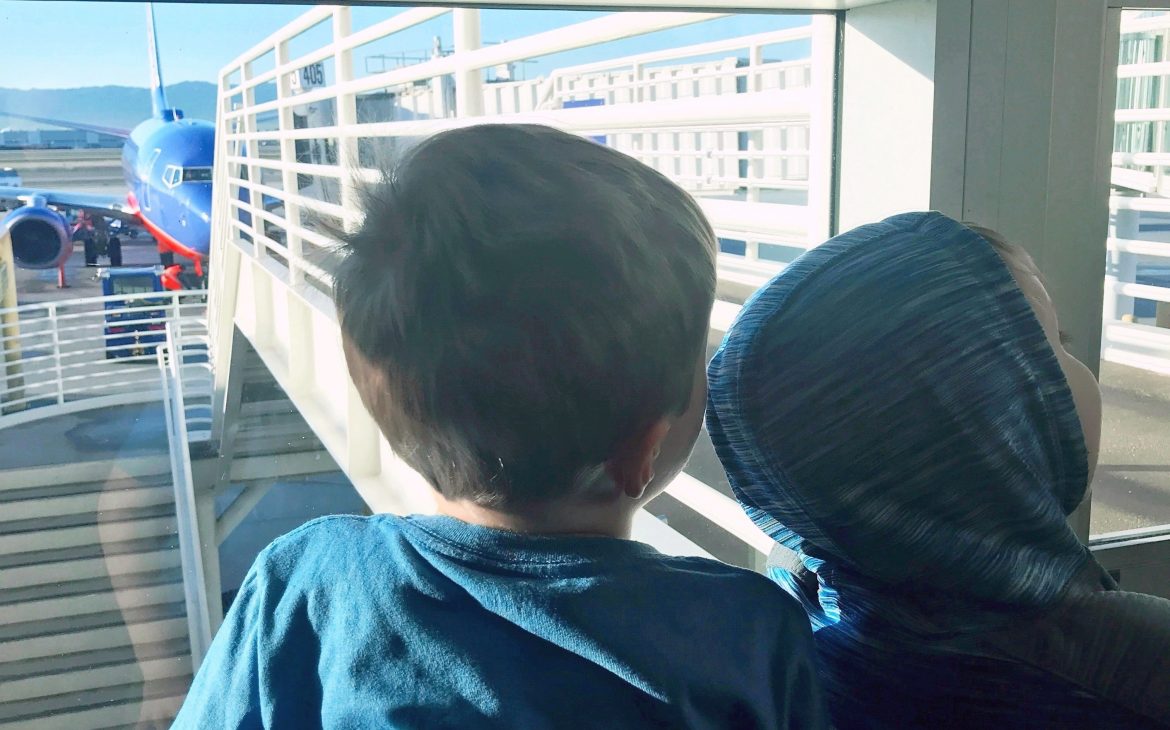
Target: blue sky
{"x":70,"y":44}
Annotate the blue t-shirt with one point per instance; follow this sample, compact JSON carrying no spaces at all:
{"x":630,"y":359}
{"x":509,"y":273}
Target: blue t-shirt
{"x":429,"y":622}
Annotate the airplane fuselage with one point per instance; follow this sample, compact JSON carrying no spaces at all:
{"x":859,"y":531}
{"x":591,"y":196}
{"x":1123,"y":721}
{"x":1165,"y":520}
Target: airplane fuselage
{"x":167,"y":165}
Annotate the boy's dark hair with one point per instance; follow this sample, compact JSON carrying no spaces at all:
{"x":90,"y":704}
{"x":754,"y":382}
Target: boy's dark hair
{"x":524,"y":301}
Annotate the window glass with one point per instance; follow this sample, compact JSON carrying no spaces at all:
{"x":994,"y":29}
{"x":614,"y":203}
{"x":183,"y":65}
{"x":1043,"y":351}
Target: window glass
{"x":726,"y":105}
{"x":1131,"y":489}
{"x":196,"y":174}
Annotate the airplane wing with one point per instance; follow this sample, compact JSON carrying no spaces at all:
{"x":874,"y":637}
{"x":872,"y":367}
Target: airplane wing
{"x":112,"y":131}
{"x":110,"y":206}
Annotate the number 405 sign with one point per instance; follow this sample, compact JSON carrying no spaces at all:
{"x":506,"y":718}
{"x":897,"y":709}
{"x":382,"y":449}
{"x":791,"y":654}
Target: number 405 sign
{"x":309,"y":77}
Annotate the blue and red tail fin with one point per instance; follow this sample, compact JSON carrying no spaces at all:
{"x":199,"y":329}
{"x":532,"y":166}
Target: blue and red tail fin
{"x":158,"y":95}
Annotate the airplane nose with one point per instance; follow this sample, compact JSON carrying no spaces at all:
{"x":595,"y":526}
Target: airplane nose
{"x":197,"y":217}
{"x":201,"y":203}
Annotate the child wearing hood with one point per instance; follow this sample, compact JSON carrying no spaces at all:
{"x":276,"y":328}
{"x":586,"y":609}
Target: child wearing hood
{"x":898,"y":411}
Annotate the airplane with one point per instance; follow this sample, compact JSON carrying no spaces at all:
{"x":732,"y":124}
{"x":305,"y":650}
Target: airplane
{"x":167,"y":164}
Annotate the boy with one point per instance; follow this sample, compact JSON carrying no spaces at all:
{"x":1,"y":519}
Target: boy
{"x":524,"y":313}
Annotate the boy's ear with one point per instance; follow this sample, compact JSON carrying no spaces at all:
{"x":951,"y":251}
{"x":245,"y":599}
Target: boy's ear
{"x":632,"y":468}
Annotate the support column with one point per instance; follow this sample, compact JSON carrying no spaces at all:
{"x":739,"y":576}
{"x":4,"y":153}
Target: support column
{"x":11,"y":380}
{"x":1024,"y":106}
{"x":363,"y":439}
{"x":240,"y":508}
{"x":209,"y":548}
{"x":228,"y":409}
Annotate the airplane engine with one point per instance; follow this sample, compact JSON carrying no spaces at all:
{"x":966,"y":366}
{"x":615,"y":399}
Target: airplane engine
{"x":40,"y":237}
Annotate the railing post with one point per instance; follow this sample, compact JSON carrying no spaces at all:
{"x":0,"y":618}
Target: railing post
{"x":56,"y":354}
{"x":755,"y":166}
{"x":251,"y":150}
{"x":468,"y":81}
{"x":1160,"y":126}
{"x":292,"y":209}
{"x":755,"y":67}
{"x":347,"y":145}
{"x":177,"y":320}
{"x":1121,"y":268}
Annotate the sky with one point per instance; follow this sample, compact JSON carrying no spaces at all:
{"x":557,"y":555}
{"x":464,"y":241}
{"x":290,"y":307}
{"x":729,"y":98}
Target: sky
{"x":69,"y":44}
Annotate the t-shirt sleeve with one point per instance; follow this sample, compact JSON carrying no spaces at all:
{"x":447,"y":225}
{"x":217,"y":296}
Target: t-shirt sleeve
{"x":226,"y":690}
{"x":797,"y":685}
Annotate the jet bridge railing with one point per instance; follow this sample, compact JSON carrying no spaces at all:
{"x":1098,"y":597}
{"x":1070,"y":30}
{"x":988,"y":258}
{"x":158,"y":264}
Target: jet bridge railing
{"x":97,"y":352}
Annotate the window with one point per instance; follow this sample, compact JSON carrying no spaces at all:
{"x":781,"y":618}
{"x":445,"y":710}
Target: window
{"x":743,"y":110}
{"x":1131,"y":490}
{"x":196,"y":174}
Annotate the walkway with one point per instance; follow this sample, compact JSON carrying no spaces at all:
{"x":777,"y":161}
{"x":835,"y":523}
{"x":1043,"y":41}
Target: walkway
{"x":1132,"y":486}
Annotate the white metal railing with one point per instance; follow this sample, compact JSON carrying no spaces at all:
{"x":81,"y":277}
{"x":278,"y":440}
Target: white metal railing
{"x":768,"y":133}
{"x":748,"y":136}
{"x":80,"y":354}
{"x":173,"y":358}
{"x":707,"y":163}
{"x":1137,"y":332}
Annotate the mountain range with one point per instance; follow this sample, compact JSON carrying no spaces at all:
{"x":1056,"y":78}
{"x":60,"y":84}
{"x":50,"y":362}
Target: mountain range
{"x":107,"y":106}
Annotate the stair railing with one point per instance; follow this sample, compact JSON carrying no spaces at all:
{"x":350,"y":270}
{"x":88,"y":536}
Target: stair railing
{"x":171,"y":361}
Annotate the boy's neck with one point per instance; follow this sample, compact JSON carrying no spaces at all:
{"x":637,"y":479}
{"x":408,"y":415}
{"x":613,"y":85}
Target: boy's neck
{"x":608,"y":519}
